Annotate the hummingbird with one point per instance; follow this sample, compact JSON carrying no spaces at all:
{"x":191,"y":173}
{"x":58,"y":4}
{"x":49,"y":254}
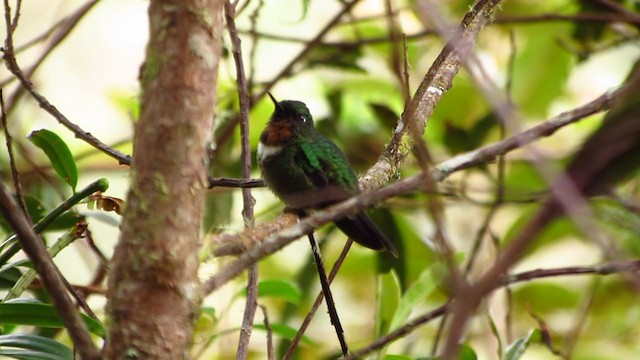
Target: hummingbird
{"x":308,"y":171}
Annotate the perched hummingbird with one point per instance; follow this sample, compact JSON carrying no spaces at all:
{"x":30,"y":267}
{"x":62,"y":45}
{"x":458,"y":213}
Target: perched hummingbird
{"x":306,"y":170}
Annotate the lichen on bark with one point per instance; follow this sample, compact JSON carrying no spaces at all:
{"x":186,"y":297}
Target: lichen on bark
{"x":154,"y":292}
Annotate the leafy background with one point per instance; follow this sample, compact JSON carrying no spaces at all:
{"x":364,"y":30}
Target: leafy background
{"x":355,"y":98}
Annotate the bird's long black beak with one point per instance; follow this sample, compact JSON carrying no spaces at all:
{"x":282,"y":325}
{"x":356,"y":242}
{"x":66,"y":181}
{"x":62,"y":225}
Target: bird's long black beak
{"x":275,"y":102}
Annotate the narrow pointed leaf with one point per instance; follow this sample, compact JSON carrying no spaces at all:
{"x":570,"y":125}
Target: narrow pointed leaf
{"x":28,"y":312}
{"x":416,"y":294}
{"x":279,"y":288}
{"x":388,"y":299}
{"x":518,"y":347}
{"x":28,"y":346}
{"x":59,"y":155}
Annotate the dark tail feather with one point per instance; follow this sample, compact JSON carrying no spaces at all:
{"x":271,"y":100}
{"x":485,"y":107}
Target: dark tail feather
{"x":364,"y":231}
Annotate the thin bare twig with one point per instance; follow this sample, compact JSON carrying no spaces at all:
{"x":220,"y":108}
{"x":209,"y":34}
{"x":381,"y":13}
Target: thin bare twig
{"x":437,"y":80}
{"x":628,"y":15}
{"x":316,"y":304}
{"x":267,"y":326}
{"x":234,"y":183}
{"x":585,"y":17}
{"x":247,"y":200}
{"x":572,"y":337}
{"x":17,"y":184}
{"x":326,"y":289}
{"x":501,"y":173}
{"x":254,"y":46}
{"x":395,"y":40}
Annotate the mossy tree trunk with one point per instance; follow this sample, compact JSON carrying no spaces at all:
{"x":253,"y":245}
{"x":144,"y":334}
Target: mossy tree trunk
{"x":154,"y":293}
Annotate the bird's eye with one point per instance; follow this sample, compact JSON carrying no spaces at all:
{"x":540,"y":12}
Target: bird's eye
{"x":303,"y":119}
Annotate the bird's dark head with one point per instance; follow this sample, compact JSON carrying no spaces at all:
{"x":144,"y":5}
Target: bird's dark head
{"x":293,"y":112}
{"x":290,"y":120}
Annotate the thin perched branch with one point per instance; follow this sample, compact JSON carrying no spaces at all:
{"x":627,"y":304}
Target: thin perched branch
{"x":396,"y":62}
{"x":582,"y":316}
{"x":251,"y":302}
{"x":267,"y":326}
{"x":400,"y":332}
{"x":284,"y":230}
{"x":500,"y":191}
{"x":620,"y":9}
{"x":326,"y":290}
{"x":253,"y":17}
{"x":16,"y":16}
{"x":584,"y":17}
{"x":235,"y":183}
{"x":34,"y":247}
{"x":17,"y":184}
{"x":437,"y":80}
{"x":316,"y":304}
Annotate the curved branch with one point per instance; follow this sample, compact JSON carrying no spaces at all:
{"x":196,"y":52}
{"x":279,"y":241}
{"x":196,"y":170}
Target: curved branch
{"x":284,"y":229}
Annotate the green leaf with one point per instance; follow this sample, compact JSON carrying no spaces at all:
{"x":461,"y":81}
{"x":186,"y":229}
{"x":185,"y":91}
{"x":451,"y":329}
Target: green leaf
{"x":416,"y":294}
{"x":546,"y":296}
{"x":27,"y":346}
{"x":460,"y":139}
{"x":305,"y":8}
{"x":532,"y":92}
{"x":461,"y":113}
{"x":206,"y":321}
{"x":127,"y":102}
{"x":8,"y":277}
{"x":518,"y":347}
{"x":59,"y":155}
{"x":64,"y":221}
{"x":397,"y":357}
{"x":286,"y":332}
{"x":279,"y":288}
{"x":522,"y":177}
{"x":495,"y":333}
{"x":465,"y":352}
{"x":30,"y":312}
{"x":34,"y":207}
{"x":388,"y":298}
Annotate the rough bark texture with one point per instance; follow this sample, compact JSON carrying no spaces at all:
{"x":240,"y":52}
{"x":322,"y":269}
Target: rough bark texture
{"x":154,"y":293}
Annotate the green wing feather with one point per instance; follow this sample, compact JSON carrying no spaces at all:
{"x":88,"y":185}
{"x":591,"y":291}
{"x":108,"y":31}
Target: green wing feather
{"x":328,"y":169}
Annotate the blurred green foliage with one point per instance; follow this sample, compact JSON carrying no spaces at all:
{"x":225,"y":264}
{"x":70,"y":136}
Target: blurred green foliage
{"x":356,"y":99}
